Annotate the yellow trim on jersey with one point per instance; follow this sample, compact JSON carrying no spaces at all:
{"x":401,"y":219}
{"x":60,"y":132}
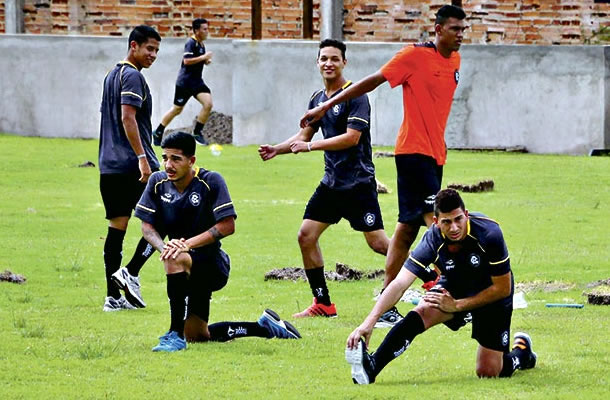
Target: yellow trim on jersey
{"x":128,"y":63}
{"x":132,"y":94}
{"x":160,"y":182}
{"x":499,"y":262}
{"x":204,"y":182}
{"x":222,"y":206}
{"x":346,"y":84}
{"x":145,"y":208}
{"x":315,"y":94}
{"x":416,"y":262}
{"x":359,"y":119}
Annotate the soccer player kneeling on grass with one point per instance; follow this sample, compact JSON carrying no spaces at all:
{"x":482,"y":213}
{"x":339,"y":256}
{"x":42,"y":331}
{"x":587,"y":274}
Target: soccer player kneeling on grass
{"x":193,"y":207}
{"x":476,"y":283}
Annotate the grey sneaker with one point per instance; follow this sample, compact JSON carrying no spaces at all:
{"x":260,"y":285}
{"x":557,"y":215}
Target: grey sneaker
{"x":389,"y":318}
{"x":131,"y":285}
{"x":112,"y":304}
{"x":362,"y":365}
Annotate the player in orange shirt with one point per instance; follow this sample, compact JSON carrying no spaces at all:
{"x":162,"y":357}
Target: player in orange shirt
{"x":429,"y":74}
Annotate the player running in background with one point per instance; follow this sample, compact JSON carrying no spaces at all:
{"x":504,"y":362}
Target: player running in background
{"x":126,"y":160}
{"x":194,"y":207}
{"x":348,"y":189}
{"x":190,"y":83}
{"x":476,"y":283}
{"x":429,"y":74}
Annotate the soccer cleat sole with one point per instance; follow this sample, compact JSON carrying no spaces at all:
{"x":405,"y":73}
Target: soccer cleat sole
{"x":354,"y":358}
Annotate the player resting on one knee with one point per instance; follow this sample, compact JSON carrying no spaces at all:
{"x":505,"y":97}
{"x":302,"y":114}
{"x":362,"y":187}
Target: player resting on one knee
{"x":193,"y":207}
{"x":476,"y":284}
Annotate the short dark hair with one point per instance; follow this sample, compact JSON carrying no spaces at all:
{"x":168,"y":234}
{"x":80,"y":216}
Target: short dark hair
{"x":141,"y":33}
{"x":333,"y":43}
{"x":447,"y":200}
{"x":449,"y":11}
{"x":198,"y":22}
{"x":181,"y":141}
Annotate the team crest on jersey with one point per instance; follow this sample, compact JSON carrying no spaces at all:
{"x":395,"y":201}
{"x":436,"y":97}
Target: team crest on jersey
{"x":336,"y":109}
{"x":456,"y":76}
{"x":195,"y":199}
{"x":167,"y":197}
{"x":369,"y":219}
{"x":475,"y":260}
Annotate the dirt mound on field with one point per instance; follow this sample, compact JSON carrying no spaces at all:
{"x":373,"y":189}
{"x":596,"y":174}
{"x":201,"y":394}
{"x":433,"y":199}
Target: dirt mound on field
{"x":342,"y":272}
{"x":483,"y":186}
{"x":600,"y":294}
{"x":218,"y":128}
{"x":545,"y":286}
{"x":8,"y":276}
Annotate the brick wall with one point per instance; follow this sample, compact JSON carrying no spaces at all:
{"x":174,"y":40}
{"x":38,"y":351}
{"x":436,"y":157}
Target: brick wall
{"x":491,"y":21}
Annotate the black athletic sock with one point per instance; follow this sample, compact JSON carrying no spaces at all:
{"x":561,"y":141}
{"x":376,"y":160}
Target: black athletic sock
{"x":225,"y":331}
{"x":512,"y":361}
{"x":143,"y":252}
{"x":197,"y":131}
{"x":397,"y":340}
{"x":160,"y":129}
{"x":113,"y":254}
{"x":317,"y":283}
{"x":177,"y":285}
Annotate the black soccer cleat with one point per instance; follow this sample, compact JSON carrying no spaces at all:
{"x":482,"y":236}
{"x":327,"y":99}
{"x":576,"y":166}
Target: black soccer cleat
{"x":523,"y":341}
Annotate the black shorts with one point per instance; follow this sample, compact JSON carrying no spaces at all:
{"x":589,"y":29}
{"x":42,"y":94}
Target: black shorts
{"x":358,"y":205}
{"x":418,"y":180}
{"x":183,"y":94}
{"x":209,"y":273}
{"x":490,"y":323}
{"x":120,"y":193}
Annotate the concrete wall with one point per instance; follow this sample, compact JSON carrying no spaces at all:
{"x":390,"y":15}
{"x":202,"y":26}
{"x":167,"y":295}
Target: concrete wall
{"x":548,"y":99}
{"x":52,"y":85}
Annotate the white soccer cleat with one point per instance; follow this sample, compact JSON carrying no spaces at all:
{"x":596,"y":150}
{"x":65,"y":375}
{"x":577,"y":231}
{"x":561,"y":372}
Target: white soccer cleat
{"x":112,"y":304}
{"x":131,"y":285}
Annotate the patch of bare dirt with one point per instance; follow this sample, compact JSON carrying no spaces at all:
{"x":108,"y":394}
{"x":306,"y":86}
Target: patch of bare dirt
{"x":342,"y":272}
{"x":381,"y":188}
{"x":482,"y":186}
{"x":544,"y":286}
{"x":218,"y":128}
{"x":8,"y":276}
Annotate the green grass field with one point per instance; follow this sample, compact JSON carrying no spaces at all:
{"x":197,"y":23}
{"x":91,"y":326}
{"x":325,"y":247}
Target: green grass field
{"x":57,"y":343}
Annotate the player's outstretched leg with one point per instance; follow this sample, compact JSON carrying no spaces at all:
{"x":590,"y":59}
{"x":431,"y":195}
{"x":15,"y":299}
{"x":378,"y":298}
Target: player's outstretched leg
{"x":277,"y":328}
{"x":131,"y":285}
{"x":362,"y":364}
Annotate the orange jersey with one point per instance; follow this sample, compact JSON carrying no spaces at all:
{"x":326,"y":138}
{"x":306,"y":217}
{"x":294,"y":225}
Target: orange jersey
{"x":428,"y":82}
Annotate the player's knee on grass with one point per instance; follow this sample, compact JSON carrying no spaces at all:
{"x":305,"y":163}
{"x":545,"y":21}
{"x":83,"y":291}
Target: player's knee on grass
{"x":196,"y":329}
{"x":487,"y":371}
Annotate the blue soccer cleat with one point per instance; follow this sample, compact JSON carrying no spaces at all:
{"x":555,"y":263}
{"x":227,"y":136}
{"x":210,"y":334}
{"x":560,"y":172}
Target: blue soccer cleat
{"x":277,"y":328}
{"x":170,"y":342}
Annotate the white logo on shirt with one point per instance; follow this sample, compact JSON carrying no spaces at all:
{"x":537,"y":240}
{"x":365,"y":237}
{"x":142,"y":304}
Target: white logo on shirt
{"x":369,"y":219}
{"x":336,"y":109}
{"x":195,"y":199}
{"x":475,"y":260}
{"x":167,"y":197}
{"x":449,"y":265}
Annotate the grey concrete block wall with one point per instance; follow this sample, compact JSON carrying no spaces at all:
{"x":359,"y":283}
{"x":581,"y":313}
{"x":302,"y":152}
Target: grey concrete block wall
{"x":51,"y":85}
{"x":548,"y":99}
